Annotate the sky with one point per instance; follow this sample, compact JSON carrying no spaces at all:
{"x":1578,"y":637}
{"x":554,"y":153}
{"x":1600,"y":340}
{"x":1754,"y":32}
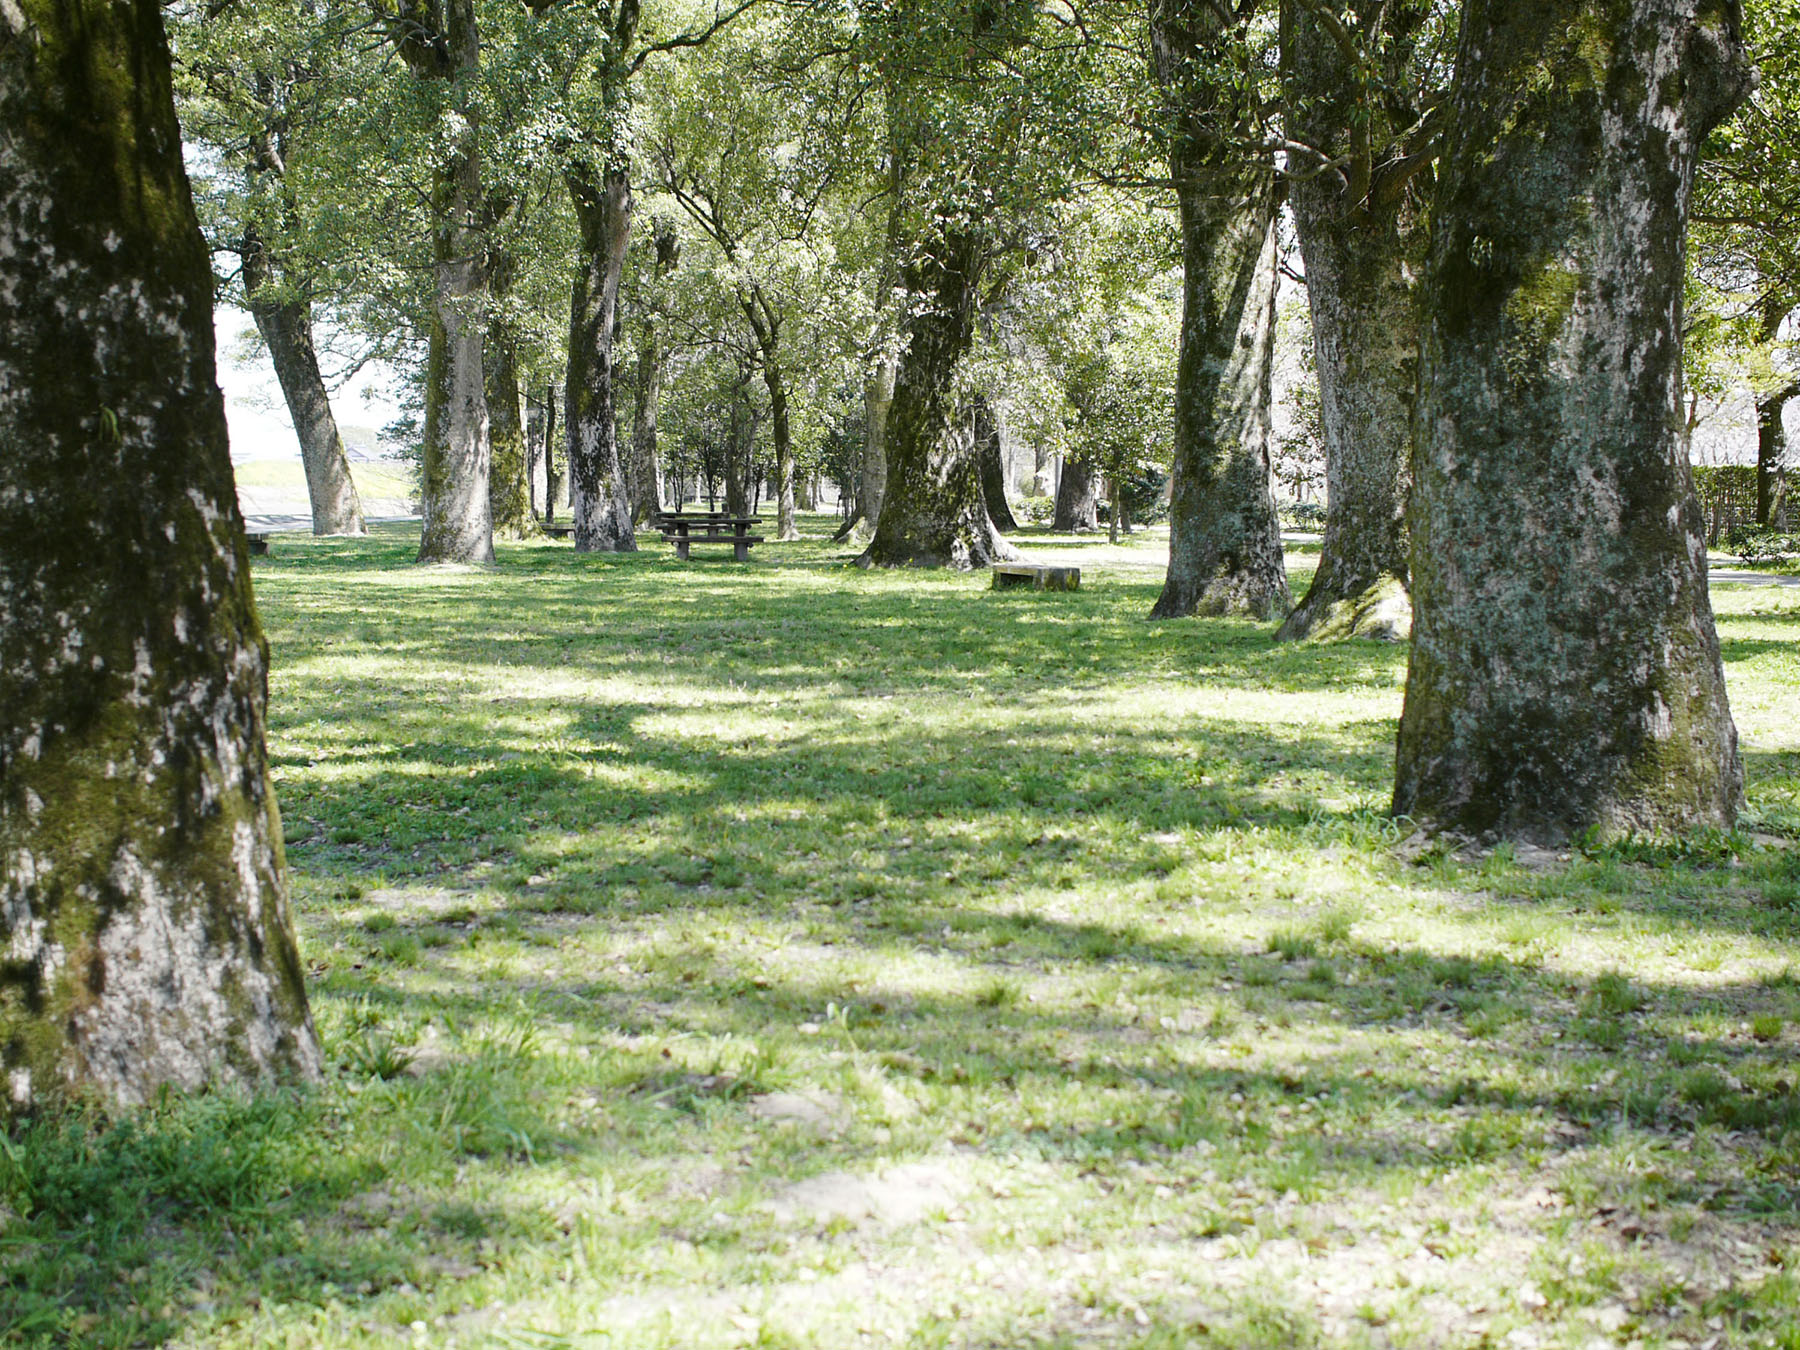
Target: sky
{"x":260,"y":427}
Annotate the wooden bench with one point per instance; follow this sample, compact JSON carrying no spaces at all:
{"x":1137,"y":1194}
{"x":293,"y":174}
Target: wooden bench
{"x":559,"y":531}
{"x":687,"y":533}
{"x":1038,"y":576}
{"x":259,"y":544}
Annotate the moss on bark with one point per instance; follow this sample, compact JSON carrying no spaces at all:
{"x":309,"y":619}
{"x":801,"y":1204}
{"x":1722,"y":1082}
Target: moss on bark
{"x":1565,"y":669}
{"x":142,"y":904}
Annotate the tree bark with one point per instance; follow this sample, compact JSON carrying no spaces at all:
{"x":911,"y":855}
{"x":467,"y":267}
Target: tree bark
{"x":1077,"y":496}
{"x":1771,"y":450}
{"x":773,"y":381}
{"x":932,"y":512}
{"x":1565,"y":670}
{"x":1362,"y":240}
{"x":878,"y":397}
{"x":554,"y":487}
{"x":646,"y":467}
{"x":599,"y":502}
{"x":1224,"y":536}
{"x":453,"y":477}
{"x":536,"y":446}
{"x":1771,"y":431}
{"x":143,"y":912}
{"x":993,"y":467}
{"x":285,"y":325}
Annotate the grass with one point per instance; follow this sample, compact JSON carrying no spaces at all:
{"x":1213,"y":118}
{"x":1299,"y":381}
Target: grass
{"x":785,"y":955}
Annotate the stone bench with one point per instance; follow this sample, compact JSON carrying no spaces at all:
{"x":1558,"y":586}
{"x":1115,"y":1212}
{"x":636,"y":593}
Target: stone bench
{"x":1038,"y":576}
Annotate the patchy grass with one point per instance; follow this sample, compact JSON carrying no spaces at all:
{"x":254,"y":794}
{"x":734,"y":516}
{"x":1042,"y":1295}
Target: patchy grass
{"x":784,"y":955}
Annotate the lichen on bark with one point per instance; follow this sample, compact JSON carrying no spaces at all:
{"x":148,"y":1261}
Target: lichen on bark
{"x":1565,"y":668}
{"x":143,"y":913}
{"x":1361,"y":231}
{"x":1224,"y":536}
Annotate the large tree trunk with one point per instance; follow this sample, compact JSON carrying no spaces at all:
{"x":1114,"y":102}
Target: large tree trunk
{"x":1362,"y":240}
{"x":993,"y":466}
{"x":1077,"y":496}
{"x":932,"y":512}
{"x":453,"y":477}
{"x":646,"y":467}
{"x":598,"y":498}
{"x":1565,"y":670}
{"x":1224,"y":535}
{"x":285,"y":325}
{"x":143,"y":913}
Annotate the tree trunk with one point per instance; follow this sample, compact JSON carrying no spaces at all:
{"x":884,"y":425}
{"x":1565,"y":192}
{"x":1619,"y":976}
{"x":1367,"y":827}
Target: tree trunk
{"x":1077,"y":497}
{"x":143,"y":911}
{"x":932,"y":512}
{"x":286,"y":329}
{"x":508,"y":484}
{"x":554,"y":493}
{"x":1224,"y":535}
{"x":878,"y":397}
{"x":536,"y":444}
{"x":1771,"y":450}
{"x":1565,"y":670}
{"x":646,"y":468}
{"x":785,"y":528}
{"x":453,"y":478}
{"x":993,"y":467}
{"x":1362,"y":242}
{"x":742,"y":435}
{"x":598,"y":499}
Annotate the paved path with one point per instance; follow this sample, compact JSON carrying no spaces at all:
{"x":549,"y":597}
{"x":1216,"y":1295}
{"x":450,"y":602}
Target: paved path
{"x":1719,"y":574}
{"x":274,"y":523}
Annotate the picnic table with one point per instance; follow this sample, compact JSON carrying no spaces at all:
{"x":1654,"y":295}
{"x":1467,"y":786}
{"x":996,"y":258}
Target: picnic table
{"x":686,"y":528}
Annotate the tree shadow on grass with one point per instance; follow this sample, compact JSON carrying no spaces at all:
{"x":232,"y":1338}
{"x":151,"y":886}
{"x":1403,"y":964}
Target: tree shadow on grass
{"x":1320,"y":1117}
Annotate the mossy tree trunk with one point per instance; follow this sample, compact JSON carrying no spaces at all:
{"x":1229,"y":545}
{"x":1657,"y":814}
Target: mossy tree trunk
{"x":1224,"y":536}
{"x":441,"y":43}
{"x":599,"y":501}
{"x":284,"y":321}
{"x":509,"y":492}
{"x":143,"y":911}
{"x":1362,"y":238}
{"x":1565,"y":670}
{"x":932,"y":510}
{"x":509,"y":500}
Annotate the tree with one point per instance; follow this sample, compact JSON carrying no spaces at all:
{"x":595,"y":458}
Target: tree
{"x":1357,"y":95}
{"x":973,"y":122}
{"x":1747,"y":240}
{"x":1224,"y":536}
{"x":253,"y":99}
{"x":441,"y":44}
{"x":142,"y":904}
{"x":1565,"y":670}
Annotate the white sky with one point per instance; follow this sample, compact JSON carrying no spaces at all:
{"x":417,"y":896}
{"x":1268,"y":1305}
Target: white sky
{"x":260,"y":428}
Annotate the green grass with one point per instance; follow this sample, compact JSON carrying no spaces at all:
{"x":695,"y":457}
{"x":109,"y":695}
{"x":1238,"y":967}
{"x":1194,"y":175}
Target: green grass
{"x":786,"y":955}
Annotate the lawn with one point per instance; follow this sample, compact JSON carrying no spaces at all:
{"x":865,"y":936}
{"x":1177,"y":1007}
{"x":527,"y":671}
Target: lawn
{"x":781,"y":954}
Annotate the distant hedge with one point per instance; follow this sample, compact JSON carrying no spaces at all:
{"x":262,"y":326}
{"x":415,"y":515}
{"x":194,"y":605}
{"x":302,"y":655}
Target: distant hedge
{"x":1727,"y":495}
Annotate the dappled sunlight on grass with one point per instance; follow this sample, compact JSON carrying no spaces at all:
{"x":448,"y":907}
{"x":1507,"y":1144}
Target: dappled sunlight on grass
{"x":788,"y":955}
